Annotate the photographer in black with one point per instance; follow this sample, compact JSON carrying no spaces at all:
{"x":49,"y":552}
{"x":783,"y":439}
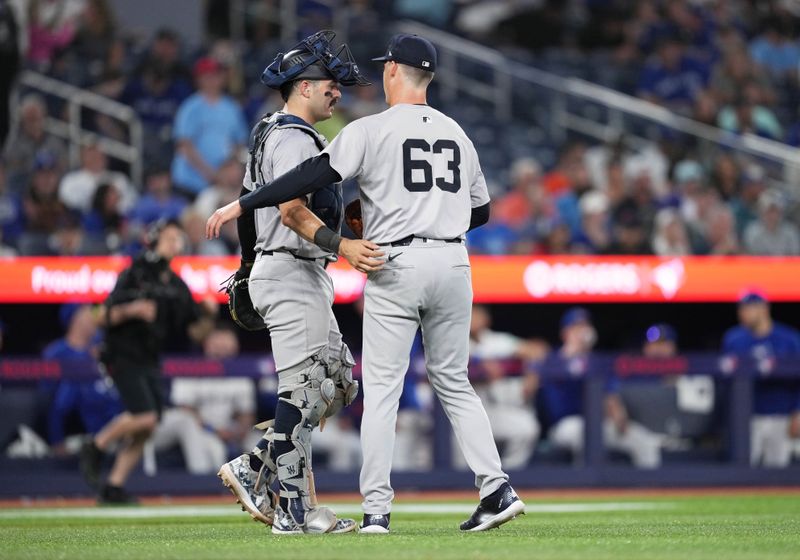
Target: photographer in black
{"x":148,"y":306}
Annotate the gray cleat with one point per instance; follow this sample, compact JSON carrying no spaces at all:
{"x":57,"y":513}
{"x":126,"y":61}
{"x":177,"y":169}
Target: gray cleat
{"x":285,"y":525}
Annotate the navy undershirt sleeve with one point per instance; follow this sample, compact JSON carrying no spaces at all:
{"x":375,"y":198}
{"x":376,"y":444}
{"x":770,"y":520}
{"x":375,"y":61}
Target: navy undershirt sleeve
{"x":246,"y":226}
{"x":479,"y":216}
{"x":309,"y":176}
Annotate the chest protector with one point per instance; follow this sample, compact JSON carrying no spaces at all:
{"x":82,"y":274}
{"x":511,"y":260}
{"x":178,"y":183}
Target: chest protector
{"x":327,"y":202}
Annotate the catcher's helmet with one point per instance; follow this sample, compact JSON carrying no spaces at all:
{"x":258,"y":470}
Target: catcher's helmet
{"x":313,"y":59}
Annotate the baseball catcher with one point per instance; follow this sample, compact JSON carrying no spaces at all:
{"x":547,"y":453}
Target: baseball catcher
{"x":282,"y":286}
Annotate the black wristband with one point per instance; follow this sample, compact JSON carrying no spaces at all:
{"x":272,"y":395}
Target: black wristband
{"x":328,"y":239}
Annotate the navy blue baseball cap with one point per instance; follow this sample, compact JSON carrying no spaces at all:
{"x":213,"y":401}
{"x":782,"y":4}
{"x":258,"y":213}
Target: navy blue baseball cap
{"x":752,"y":296}
{"x":412,"y":50}
{"x":660,"y":332}
{"x":575,"y":315}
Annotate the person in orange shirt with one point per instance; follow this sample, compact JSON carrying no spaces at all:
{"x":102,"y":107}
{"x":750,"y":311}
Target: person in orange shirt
{"x":526,"y":190}
{"x":569,"y":173}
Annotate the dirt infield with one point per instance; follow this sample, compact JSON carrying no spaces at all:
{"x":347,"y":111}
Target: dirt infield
{"x":444,"y":496}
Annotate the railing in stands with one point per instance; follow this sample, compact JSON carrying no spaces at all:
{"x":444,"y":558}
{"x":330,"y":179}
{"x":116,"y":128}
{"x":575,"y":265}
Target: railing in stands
{"x":616,"y":115}
{"x":72,"y":129}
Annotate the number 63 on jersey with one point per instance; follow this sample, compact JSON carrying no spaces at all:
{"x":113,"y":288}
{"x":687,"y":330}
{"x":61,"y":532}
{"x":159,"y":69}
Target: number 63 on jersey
{"x":418,"y":164}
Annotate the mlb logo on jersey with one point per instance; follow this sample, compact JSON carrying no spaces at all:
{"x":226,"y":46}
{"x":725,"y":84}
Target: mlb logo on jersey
{"x":427,"y":119}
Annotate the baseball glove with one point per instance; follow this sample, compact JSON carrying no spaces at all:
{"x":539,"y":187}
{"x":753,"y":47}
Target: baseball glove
{"x":239,"y":303}
{"x":352,"y":217}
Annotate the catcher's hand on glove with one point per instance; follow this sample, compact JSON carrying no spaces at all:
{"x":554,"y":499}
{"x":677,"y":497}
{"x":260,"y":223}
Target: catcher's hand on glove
{"x":239,"y":302}
{"x":352,"y":217}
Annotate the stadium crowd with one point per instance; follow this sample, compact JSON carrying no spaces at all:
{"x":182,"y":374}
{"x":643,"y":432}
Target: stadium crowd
{"x":732,"y":64}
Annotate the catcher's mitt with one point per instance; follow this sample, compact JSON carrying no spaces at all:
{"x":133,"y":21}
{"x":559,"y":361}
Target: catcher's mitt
{"x":239,"y":303}
{"x":352,"y":217}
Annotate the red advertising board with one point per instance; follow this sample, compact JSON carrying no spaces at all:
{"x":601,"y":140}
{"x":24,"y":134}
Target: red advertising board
{"x":90,"y":279}
{"x":633,"y":279}
{"x":495,"y":279}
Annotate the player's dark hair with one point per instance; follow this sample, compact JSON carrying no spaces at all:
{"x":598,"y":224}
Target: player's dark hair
{"x":287,"y":88}
{"x":417,"y":76}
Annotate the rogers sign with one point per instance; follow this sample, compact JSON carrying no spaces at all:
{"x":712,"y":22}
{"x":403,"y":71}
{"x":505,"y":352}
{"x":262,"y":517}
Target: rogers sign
{"x":544,"y":279}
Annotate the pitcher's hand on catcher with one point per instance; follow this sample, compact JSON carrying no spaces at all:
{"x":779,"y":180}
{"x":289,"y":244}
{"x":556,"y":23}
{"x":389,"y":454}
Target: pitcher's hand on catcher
{"x":221,"y":216}
{"x":362,"y":255}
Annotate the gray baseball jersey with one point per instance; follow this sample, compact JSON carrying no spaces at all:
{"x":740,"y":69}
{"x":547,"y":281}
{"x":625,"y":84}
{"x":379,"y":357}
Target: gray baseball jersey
{"x":284,"y":148}
{"x":293,"y":296}
{"x":418,"y":172}
{"x":419,"y":176}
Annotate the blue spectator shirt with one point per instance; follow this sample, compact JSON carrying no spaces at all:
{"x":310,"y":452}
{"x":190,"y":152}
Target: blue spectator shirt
{"x":778,"y":59}
{"x":96,"y":401}
{"x":679,"y":86}
{"x":495,"y":238}
{"x":156,"y":110}
{"x":564,"y":397}
{"x":569,"y":212}
{"x":770,"y":396}
{"x":215,"y":129}
{"x":12,"y":217}
{"x":149,"y":209}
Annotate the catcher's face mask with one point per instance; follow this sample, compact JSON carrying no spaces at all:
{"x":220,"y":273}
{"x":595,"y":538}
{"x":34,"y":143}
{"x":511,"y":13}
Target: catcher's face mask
{"x":339,"y":65}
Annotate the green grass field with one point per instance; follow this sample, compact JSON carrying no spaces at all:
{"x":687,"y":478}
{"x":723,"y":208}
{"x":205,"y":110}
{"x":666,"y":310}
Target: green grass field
{"x":675,"y":528}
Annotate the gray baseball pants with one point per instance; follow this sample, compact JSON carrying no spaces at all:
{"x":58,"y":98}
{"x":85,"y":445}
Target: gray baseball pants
{"x":294,"y":296}
{"x":426,"y":283}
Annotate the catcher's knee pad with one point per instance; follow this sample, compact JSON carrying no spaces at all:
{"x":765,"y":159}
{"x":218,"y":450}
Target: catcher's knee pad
{"x":308,"y":387}
{"x":340,"y":370}
{"x":321,"y":385}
